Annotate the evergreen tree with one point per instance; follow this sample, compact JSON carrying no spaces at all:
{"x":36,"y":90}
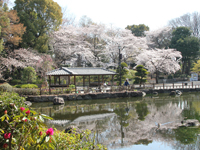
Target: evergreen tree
{"x":140,"y":75}
{"x":188,"y":46}
{"x":121,"y":72}
{"x":40,"y":18}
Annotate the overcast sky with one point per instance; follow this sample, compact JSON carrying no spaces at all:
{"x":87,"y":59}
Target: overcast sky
{"x":120,"y":13}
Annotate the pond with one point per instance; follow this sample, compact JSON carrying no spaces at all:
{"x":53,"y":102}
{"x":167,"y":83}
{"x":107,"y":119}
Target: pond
{"x":132,"y":123}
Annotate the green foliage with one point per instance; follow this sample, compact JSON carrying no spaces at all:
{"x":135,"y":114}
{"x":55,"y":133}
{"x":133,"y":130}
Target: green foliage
{"x":123,"y":72}
{"x":29,"y":86}
{"x":29,"y":75}
{"x":40,"y":18}
{"x":23,"y":128}
{"x":5,"y":87}
{"x":196,"y":67}
{"x":187,"y":45}
{"x":15,"y":81}
{"x":142,"y":110}
{"x":140,"y":75}
{"x":26,"y":91}
{"x":138,"y":30}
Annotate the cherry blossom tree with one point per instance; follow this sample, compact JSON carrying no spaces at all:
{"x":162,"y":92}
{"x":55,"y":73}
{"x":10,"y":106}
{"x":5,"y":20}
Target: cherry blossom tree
{"x":67,"y":43}
{"x":160,"y":60}
{"x":129,"y":45}
{"x":159,"y":38}
{"x":21,"y":58}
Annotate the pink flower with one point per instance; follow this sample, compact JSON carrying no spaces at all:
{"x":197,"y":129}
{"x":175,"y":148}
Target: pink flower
{"x":49,"y":131}
{"x":28,"y":112}
{"x":25,"y":120}
{"x":22,"y":109}
{"x":7,"y":135}
{"x":5,"y":145}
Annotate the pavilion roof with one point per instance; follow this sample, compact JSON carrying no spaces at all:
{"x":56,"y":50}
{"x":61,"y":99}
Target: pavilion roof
{"x":80,"y":71}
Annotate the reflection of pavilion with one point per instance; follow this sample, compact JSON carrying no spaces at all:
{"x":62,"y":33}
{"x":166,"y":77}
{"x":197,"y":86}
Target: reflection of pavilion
{"x":82,"y":120}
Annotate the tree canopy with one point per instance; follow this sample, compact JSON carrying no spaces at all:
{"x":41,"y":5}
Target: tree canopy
{"x":40,"y":17}
{"x":188,"y":45}
{"x":138,"y":30}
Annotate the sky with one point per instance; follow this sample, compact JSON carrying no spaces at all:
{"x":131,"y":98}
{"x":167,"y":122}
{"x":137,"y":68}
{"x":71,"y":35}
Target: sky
{"x":120,"y":13}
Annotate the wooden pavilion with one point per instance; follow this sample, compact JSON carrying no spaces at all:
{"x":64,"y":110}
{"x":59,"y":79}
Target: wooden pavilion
{"x":66,"y":73}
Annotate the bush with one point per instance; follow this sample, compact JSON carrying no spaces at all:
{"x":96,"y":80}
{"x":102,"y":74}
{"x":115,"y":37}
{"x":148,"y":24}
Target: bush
{"x":29,"y":75}
{"x":23,"y":128}
{"x":26,"y":91}
{"x":15,"y":81}
{"x":5,"y":87}
{"x":29,"y":86}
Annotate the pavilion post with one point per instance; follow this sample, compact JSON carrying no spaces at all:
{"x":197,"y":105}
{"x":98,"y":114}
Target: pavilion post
{"x":99,"y":81}
{"x":68,"y":80}
{"x":49,"y":85}
{"x":89,"y":81}
{"x":75,"y":83}
{"x":59,"y":80}
{"x":54,"y":80}
{"x":83,"y":81}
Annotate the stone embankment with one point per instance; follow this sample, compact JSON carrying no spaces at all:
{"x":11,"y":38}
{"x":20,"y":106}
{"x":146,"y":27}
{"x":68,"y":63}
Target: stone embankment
{"x":88,"y":96}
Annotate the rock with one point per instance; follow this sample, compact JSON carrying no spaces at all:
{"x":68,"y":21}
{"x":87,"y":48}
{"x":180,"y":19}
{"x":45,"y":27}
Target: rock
{"x":178,"y":92}
{"x":172,"y":93}
{"x":72,"y":129}
{"x":58,"y":101}
{"x":190,"y":123}
{"x":28,"y":103}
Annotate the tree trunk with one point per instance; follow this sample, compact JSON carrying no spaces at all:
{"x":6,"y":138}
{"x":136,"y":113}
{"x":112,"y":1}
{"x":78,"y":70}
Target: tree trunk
{"x":157,"y":76}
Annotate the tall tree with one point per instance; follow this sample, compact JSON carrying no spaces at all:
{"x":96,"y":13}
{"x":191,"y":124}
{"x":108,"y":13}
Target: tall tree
{"x":138,"y":30}
{"x":160,"y":60}
{"x":160,"y":38}
{"x":188,"y":45}
{"x":11,"y":29}
{"x":191,"y":21}
{"x":40,"y":17}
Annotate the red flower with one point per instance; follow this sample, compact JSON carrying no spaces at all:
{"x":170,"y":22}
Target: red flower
{"x":28,"y":112}
{"x":5,"y":112}
{"x":49,"y":131}
{"x":22,"y":109}
{"x":40,"y":133}
{"x":7,"y":135}
{"x":25,"y":120}
{"x":5,"y":145}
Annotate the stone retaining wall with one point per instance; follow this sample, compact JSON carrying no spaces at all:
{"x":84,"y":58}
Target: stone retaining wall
{"x":89,"y":96}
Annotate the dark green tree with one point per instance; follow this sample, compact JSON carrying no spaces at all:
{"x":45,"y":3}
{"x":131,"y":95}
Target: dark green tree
{"x":140,"y":75}
{"x":40,"y":18}
{"x":138,"y":30}
{"x":29,"y":75}
{"x":142,"y":110}
{"x":122,"y":73}
{"x":188,"y":45}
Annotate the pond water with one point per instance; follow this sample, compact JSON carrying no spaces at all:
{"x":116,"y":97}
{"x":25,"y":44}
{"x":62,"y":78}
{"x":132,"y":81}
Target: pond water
{"x":132,"y":123}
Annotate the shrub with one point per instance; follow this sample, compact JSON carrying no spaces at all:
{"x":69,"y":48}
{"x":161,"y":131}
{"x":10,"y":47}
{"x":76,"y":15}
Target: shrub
{"x":29,"y":86}
{"x":5,"y":87}
{"x":23,"y":128}
{"x":15,"y":81}
{"x":29,"y":75}
{"x":26,"y":91}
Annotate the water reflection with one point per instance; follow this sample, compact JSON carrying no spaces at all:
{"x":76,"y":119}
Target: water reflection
{"x":124,"y":122}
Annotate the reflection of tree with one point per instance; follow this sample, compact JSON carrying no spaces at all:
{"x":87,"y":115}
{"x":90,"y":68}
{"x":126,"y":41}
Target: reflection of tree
{"x":123,"y":116}
{"x":144,"y":142}
{"x":186,"y":135}
{"x":142,"y":110}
